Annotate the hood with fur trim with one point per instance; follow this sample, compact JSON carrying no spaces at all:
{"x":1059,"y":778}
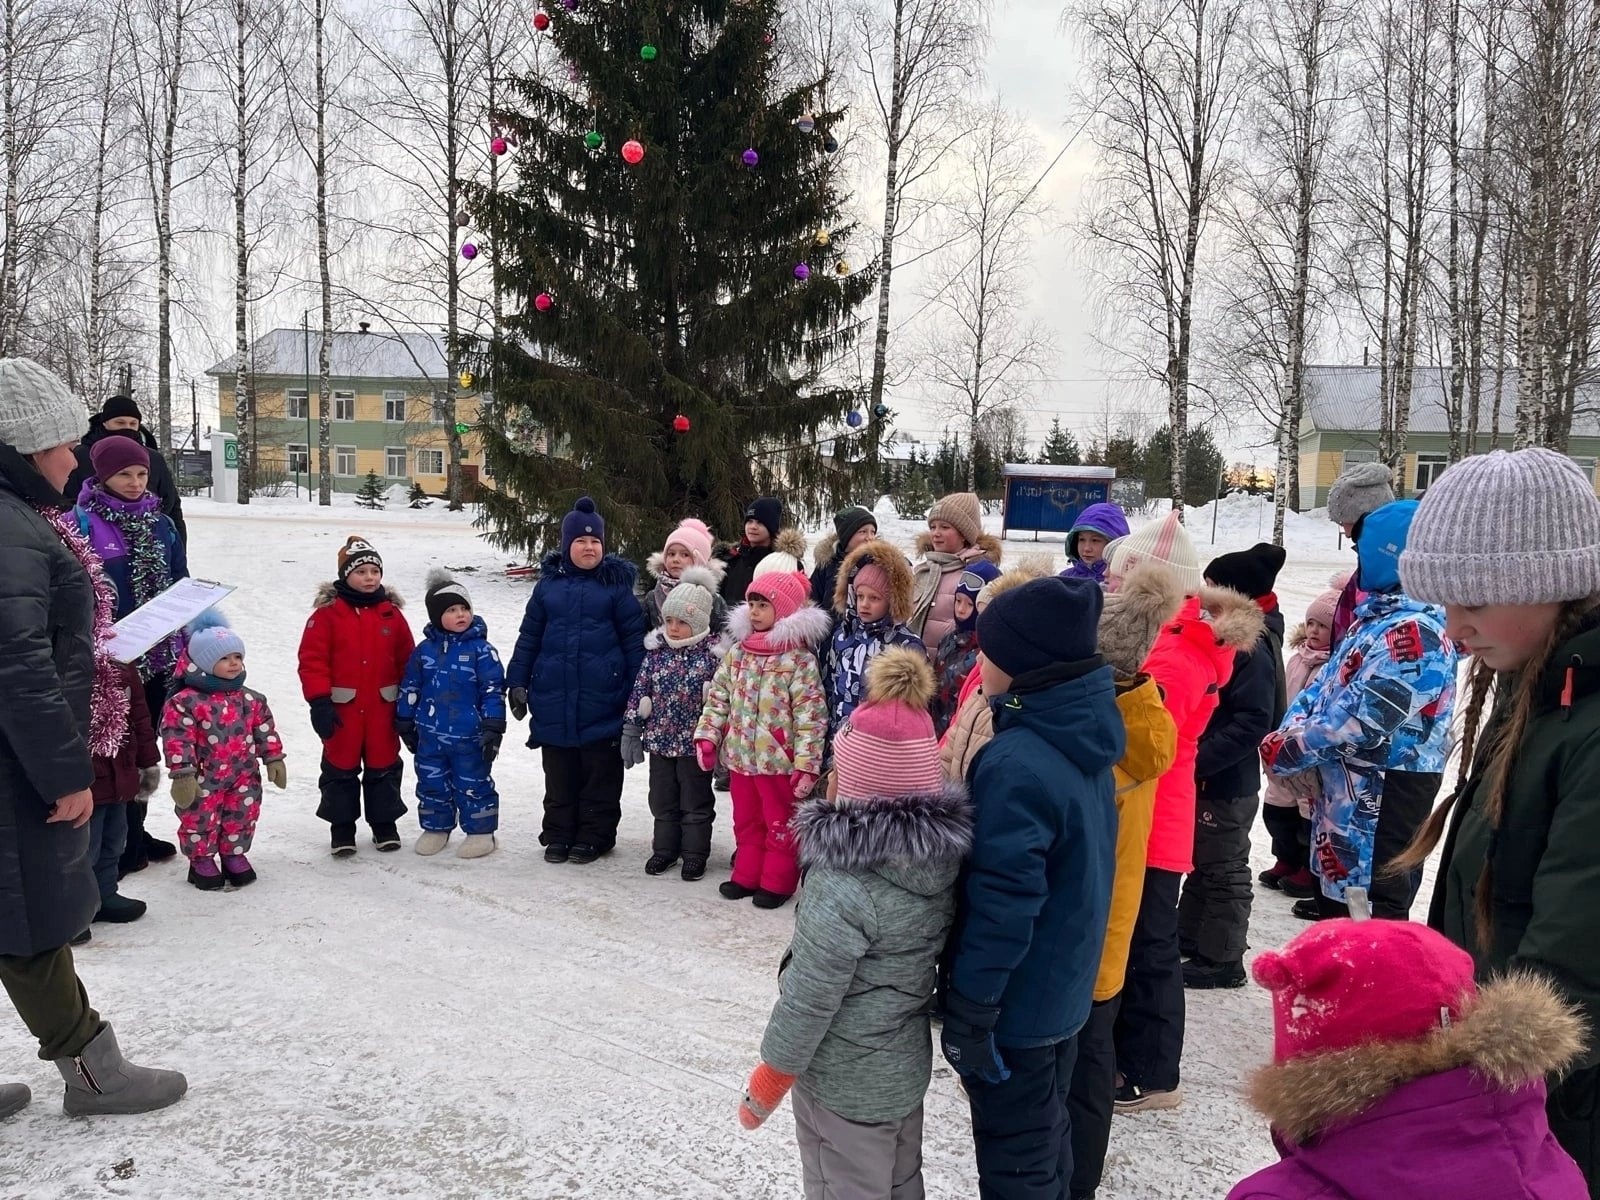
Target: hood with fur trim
{"x":825,"y":548}
{"x":655,"y":566}
{"x":1025,"y":571}
{"x":788,"y":541}
{"x":1518,"y":1031}
{"x":917,"y":842}
{"x":894,"y":565}
{"x":987,"y":542}
{"x":1146,"y":599}
{"x":807,"y":627}
{"x":328,"y":592}
{"x":1236,"y":621}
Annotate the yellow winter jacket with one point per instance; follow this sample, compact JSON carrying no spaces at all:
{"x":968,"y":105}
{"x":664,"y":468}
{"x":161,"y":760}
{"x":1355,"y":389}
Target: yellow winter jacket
{"x":1152,"y":747}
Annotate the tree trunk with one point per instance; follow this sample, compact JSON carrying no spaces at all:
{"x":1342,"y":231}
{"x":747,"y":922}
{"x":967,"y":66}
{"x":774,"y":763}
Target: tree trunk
{"x":95,"y":346}
{"x":891,"y":211}
{"x":164,"y":235}
{"x":450,"y":61}
{"x":324,"y":268}
{"x":241,"y":254}
{"x":10,"y":301}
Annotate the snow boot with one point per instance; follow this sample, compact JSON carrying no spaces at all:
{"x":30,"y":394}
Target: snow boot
{"x":1302,"y":885}
{"x":1131,"y":1098}
{"x":101,"y":1082}
{"x":205,"y":874}
{"x":119,"y":910}
{"x":583,"y":854}
{"x":1274,"y":875}
{"x":236,"y":869}
{"x":735,"y":891}
{"x":476,"y":846}
{"x":557,"y":852}
{"x":14,"y":1097}
{"x":344,"y":840}
{"x":386,"y":837}
{"x":431,"y":842}
{"x":766,"y":899}
{"x":693,"y":869}
{"x":1309,"y":910}
{"x":155,"y":850}
{"x":720,"y":779}
{"x":1202,"y":974}
{"x":659,"y":862}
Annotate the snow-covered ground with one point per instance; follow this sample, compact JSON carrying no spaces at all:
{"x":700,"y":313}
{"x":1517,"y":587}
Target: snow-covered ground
{"x":397,"y":1026}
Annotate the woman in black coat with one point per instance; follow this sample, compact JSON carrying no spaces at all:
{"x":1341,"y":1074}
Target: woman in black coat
{"x":53,"y":717}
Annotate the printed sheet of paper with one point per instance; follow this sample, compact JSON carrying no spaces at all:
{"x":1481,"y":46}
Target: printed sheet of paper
{"x":167,"y":613}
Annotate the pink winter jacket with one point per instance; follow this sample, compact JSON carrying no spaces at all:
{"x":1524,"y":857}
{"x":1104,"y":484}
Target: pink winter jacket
{"x":1298,"y":671}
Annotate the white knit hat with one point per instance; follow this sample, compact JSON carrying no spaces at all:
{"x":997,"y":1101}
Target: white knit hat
{"x":1163,"y":541}
{"x":37,"y":412}
{"x":1505,"y":528}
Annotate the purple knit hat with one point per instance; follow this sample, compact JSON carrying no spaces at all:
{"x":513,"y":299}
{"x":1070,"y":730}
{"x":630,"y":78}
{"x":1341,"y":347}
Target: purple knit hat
{"x":117,"y":453}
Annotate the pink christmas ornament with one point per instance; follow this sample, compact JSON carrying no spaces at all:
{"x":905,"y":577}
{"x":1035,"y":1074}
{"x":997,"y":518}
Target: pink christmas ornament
{"x":498,"y":146}
{"x":543,"y":302}
{"x":632,"y":152}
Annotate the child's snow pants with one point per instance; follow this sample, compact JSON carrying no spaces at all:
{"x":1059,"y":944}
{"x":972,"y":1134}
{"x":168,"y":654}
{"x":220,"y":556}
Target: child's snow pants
{"x":454,"y":786}
{"x":762,"y":806}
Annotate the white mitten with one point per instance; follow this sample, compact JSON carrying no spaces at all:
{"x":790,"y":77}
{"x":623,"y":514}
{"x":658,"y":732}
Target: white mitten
{"x":644,"y":708}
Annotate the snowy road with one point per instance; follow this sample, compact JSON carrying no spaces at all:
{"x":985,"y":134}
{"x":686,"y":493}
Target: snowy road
{"x":395,"y":1026}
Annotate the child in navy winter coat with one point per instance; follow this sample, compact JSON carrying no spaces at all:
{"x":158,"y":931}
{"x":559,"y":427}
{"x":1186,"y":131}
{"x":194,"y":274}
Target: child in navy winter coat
{"x":577,"y":655}
{"x":670,"y":690}
{"x":872,"y":602}
{"x":451,"y":715}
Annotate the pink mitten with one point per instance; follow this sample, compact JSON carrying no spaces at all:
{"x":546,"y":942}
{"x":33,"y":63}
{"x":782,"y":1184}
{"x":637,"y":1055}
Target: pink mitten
{"x":804,"y":783}
{"x":705,"y":753}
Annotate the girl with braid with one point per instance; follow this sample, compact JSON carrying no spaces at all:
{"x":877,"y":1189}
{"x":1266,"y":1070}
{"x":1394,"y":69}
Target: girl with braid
{"x":1519,"y":881}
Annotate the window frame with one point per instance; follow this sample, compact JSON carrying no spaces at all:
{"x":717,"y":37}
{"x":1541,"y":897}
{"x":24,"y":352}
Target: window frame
{"x":290,"y":449}
{"x":389,"y":453}
{"x":289,"y":395}
{"x":344,"y":394}
{"x":393,"y":396}
{"x":421,"y":470}
{"x":1435,"y":459}
{"x":338,"y":455}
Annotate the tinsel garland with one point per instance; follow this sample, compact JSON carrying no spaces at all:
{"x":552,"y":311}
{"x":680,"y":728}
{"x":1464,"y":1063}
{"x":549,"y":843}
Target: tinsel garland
{"x":108,"y":711}
{"x":148,"y":566}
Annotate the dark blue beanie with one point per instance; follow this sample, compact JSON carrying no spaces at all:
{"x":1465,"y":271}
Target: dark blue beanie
{"x":769,"y":511}
{"x":1041,"y":623}
{"x":582,"y":521}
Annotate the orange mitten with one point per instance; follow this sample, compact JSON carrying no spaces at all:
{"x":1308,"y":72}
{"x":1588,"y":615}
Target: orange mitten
{"x":765,"y":1091}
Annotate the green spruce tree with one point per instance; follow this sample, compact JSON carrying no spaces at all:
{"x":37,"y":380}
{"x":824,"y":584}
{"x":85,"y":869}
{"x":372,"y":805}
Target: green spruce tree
{"x":370,"y":494}
{"x":915,"y":497}
{"x":1060,"y":447}
{"x":676,"y":316}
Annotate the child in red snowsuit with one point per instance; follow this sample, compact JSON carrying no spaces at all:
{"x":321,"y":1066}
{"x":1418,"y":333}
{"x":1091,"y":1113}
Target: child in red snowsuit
{"x":353,"y":655}
{"x":213,"y":731}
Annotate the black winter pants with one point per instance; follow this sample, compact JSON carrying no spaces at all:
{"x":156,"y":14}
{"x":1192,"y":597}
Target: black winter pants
{"x":582,"y":794}
{"x":1149,"y":1030}
{"x":1214,"y":913}
{"x":1573,"y":1108}
{"x":135,"y":850}
{"x":1021,"y":1128}
{"x":1291,"y":836}
{"x":1089,"y":1103}
{"x":342,"y":792}
{"x":684,"y":806}
{"x":1408,"y":798}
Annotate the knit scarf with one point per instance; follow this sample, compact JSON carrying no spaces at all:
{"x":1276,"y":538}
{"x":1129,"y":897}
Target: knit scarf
{"x":148,"y":565}
{"x":357,"y":599}
{"x":108,"y":705}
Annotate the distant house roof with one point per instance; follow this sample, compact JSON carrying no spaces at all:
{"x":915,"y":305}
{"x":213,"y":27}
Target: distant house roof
{"x":1346,"y":399}
{"x":355,"y":355}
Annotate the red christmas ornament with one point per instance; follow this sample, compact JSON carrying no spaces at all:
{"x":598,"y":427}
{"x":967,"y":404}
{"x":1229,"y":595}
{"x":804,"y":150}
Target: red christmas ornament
{"x":543,"y":302}
{"x":680,"y":423}
{"x":541,"y":21}
{"x":632,"y":152}
{"x":499,"y":146}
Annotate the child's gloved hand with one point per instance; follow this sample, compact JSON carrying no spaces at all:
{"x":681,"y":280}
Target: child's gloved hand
{"x":517,"y":699}
{"x":185,"y":791}
{"x":149,"y":781}
{"x":490,"y":734}
{"x":804,"y":783}
{"x":1271,"y":747}
{"x":408,"y":733}
{"x":762,"y":1095}
{"x":324,"y":717}
{"x":645,"y":708}
{"x":632,"y":747}
{"x":705,"y":754}
{"x":967,"y":1039}
{"x":278,"y":774}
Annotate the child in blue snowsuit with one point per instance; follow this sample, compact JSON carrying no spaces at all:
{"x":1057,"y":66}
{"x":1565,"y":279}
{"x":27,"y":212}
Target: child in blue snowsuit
{"x":451,"y":715}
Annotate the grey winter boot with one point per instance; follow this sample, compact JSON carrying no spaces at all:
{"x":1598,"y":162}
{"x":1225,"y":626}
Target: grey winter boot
{"x":101,"y":1082}
{"x":14,"y":1097}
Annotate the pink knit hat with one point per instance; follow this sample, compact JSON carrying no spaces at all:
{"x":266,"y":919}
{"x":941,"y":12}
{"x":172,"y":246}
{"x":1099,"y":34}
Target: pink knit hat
{"x":871,"y":575}
{"x":787,"y":590}
{"x":887,"y":745}
{"x":694,"y":536}
{"x":1323,"y":607}
{"x":1344,"y":982}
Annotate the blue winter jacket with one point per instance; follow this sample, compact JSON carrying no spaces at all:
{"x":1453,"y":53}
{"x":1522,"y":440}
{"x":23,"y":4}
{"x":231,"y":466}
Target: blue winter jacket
{"x":855,"y":643}
{"x":1037,"y":891}
{"x":580,"y":647}
{"x":453,"y":683}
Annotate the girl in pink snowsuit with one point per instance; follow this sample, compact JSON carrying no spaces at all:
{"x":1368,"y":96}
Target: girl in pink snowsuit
{"x":213,"y":730}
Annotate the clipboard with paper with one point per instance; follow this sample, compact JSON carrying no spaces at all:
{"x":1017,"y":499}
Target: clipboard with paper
{"x":169,"y":612}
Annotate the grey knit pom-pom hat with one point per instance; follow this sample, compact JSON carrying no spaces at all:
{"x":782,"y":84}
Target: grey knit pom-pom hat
{"x":1361,"y":489}
{"x":1517,"y":527}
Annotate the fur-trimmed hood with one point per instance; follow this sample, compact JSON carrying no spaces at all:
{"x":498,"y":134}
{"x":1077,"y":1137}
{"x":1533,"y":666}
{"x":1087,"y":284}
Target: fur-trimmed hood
{"x":805,"y":628}
{"x":825,"y":548}
{"x":894,"y":564}
{"x":1025,"y":571}
{"x":1518,"y":1031}
{"x":656,"y":568}
{"x":1146,"y":599}
{"x":788,"y":540}
{"x":987,"y":542}
{"x":328,"y":592}
{"x":613,"y":570}
{"x":917,"y":842}
{"x":1237,"y":621}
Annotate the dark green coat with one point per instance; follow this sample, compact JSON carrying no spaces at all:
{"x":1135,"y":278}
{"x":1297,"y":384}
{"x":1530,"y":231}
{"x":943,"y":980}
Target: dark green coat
{"x":1546,"y":859}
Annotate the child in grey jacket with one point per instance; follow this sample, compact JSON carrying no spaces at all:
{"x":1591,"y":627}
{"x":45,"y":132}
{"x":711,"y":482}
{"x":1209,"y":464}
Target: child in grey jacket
{"x":850,"y":1030}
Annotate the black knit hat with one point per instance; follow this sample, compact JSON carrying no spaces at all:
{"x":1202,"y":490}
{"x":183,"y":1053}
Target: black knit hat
{"x":1252,"y":572}
{"x":768,"y":510}
{"x":444,"y":592}
{"x":848,"y":522}
{"x":121,"y":406}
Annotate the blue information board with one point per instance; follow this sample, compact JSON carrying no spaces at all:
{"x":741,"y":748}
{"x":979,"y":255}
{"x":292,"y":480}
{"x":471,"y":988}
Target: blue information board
{"x":1050,"y":504}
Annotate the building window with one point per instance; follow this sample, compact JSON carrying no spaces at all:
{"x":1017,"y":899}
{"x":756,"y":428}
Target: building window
{"x":1586,"y":465}
{"x":1429,"y":468}
{"x":394,"y":408}
{"x":296,"y":405}
{"x":394,"y":459}
{"x":344,"y":406}
{"x":430,"y":462}
{"x":488,"y":470}
{"x":299,"y":459}
{"x":344,"y":460}
{"x":440,"y":409}
{"x":1352,"y":457}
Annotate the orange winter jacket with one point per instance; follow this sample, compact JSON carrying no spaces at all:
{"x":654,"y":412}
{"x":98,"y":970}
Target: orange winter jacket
{"x":1152,"y":747}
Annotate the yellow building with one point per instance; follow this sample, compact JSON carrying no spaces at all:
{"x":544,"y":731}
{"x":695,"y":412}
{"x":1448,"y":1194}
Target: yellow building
{"x":387,"y":409}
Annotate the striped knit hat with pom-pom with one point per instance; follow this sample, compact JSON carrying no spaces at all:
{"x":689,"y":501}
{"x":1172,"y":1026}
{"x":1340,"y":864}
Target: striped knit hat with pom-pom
{"x":1165,"y":541}
{"x":887,"y":747}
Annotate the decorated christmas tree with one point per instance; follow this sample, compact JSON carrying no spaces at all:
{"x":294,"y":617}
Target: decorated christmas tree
{"x":672,"y":245}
